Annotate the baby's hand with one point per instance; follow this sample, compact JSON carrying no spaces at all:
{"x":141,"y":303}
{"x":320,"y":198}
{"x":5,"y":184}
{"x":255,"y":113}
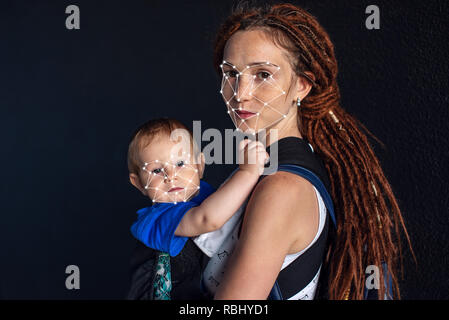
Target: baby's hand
{"x":252,"y":156}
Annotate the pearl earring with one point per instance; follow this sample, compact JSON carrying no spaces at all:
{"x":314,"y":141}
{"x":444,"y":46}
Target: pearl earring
{"x":298,"y":102}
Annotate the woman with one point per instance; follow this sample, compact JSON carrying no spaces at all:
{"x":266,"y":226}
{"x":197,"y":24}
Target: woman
{"x":284,"y":48}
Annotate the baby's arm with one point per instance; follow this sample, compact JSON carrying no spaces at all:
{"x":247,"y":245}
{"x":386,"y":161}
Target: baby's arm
{"x":219,"y":207}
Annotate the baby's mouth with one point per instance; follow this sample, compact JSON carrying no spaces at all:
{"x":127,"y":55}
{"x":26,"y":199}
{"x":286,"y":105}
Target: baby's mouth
{"x":175,"y":189}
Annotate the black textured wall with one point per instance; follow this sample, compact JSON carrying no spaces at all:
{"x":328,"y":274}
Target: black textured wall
{"x":69,"y":99}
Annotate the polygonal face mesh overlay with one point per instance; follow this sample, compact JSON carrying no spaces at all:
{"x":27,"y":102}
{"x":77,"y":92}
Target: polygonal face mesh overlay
{"x":174,"y":181}
{"x":258,"y":85}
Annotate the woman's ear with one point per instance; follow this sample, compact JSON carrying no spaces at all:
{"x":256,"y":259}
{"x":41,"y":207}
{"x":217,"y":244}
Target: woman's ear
{"x":135,"y":181}
{"x":200,"y":164}
{"x":303,"y":86}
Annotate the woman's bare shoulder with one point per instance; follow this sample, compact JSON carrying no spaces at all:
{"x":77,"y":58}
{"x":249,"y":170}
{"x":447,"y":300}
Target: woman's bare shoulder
{"x":284,"y":203}
{"x":284,"y":186}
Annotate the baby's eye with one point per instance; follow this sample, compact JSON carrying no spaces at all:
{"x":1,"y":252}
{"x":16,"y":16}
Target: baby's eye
{"x":263,"y":75}
{"x":180,"y":163}
{"x":231,"y":73}
{"x":157,"y":171}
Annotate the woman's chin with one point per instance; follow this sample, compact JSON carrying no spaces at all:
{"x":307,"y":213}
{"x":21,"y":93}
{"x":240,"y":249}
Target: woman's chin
{"x":246,"y":126}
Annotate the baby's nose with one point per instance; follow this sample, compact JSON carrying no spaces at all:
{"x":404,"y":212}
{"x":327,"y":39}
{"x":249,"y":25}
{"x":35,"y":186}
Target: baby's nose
{"x":169,"y":175}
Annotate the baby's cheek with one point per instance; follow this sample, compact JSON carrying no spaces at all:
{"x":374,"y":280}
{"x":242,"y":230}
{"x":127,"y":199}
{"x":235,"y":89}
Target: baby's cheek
{"x":153,"y":193}
{"x":194,"y":181}
{"x":150,"y":194}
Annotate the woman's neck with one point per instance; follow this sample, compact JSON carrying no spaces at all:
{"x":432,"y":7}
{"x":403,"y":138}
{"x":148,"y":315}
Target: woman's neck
{"x":288,"y":127}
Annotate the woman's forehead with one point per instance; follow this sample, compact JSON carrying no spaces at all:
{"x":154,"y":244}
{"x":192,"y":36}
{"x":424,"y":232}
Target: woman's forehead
{"x":248,"y":48}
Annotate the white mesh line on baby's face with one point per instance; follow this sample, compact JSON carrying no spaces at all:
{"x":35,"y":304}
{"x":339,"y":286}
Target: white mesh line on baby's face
{"x":161,"y":179}
{"x":264,"y":89}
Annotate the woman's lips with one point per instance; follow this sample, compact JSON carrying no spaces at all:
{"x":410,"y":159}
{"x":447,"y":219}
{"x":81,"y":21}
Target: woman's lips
{"x":244,"y":114}
{"x":175,"y":189}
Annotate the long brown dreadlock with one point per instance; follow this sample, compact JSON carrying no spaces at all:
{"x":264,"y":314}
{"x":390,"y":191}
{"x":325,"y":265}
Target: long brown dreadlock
{"x":368,"y":216}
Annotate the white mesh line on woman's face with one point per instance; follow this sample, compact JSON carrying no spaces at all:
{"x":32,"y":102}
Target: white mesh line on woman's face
{"x":256,"y":87}
{"x":161,"y":179}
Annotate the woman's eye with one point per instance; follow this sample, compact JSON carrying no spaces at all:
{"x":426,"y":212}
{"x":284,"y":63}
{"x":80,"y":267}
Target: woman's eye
{"x":157,"y":171}
{"x":263,"y":75}
{"x":180,"y":163}
{"x":231,"y":73}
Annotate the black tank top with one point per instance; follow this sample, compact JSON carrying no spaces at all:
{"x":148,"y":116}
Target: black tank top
{"x":293,"y":150}
{"x":298,"y":274}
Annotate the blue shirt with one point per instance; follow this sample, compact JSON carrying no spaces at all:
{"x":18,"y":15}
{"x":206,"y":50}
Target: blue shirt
{"x":156,"y":225}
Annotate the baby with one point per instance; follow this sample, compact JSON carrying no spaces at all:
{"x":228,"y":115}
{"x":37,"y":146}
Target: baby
{"x":166,"y":165}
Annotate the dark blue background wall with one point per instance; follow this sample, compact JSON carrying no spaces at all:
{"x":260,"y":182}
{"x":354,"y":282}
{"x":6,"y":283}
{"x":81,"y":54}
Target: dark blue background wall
{"x":69,"y":100}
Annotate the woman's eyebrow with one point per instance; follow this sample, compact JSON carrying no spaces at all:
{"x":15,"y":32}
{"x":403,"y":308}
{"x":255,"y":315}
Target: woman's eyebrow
{"x":252,"y":64}
{"x":263,"y":63}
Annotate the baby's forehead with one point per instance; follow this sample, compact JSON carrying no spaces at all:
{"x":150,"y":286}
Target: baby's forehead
{"x":163,"y":145}
{"x":169,"y":140}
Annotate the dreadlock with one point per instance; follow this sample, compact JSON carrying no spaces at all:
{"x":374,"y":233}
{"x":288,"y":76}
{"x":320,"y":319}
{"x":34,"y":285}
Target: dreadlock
{"x":368,"y":216}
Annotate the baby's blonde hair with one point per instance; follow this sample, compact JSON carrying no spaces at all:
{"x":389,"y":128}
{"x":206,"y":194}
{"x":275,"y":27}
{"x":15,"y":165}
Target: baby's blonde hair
{"x":146,"y":133}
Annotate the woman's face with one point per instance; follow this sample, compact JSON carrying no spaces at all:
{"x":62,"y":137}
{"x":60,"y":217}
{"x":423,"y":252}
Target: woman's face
{"x":257,"y":81}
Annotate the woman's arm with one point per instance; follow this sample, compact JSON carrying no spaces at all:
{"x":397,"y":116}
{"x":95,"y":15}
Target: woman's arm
{"x":219,"y":207}
{"x":281,"y":218}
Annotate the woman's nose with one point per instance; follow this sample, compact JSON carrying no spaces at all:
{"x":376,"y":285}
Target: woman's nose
{"x":243,"y":87}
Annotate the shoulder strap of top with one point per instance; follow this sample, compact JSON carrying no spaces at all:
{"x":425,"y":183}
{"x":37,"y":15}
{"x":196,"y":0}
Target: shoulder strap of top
{"x":297,"y":274}
{"x":316,"y":182}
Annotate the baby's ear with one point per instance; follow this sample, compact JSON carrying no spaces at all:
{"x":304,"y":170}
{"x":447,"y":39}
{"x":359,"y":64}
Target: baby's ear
{"x":201,"y":164}
{"x":135,"y":181}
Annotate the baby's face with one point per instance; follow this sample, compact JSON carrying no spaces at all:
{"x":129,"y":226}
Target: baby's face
{"x":169,"y":172}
